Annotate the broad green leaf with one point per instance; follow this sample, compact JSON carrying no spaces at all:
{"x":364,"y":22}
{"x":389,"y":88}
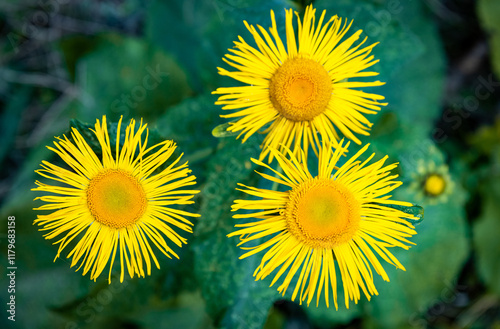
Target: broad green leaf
{"x":433,"y":264}
{"x":485,"y":237}
{"x":275,"y":320}
{"x":209,"y":28}
{"x":487,"y":139}
{"x":488,"y":12}
{"x":10,"y":119}
{"x":186,"y":310}
{"x":190,"y":123}
{"x":410,"y":54}
{"x":20,"y":200}
{"x":41,"y":284}
{"x":234,"y":299}
{"x":129,"y":77}
{"x":485,"y":231}
{"x":169,"y":291}
{"x":38,"y":291}
{"x":322,"y":315}
{"x":75,"y":47}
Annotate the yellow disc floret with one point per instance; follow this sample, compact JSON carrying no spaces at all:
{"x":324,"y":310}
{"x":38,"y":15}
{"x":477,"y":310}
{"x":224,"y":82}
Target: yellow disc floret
{"x":322,"y":213}
{"x":116,"y":198}
{"x":300,"y":89}
{"x":434,"y":184}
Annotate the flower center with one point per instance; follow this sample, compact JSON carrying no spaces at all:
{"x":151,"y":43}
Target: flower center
{"x":300,"y":89}
{"x":434,"y":185}
{"x":322,"y":213}
{"x":116,"y":198}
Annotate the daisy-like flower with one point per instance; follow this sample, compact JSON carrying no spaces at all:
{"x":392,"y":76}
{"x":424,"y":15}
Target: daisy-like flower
{"x":339,"y":222}
{"x":303,"y":90}
{"x":120,"y":203}
{"x":431,"y":183}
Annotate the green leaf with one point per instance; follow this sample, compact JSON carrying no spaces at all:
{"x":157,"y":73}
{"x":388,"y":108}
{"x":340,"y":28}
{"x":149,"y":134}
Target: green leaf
{"x":442,"y":246}
{"x":322,"y":315}
{"x":234,"y":299}
{"x":169,"y":290}
{"x":221,"y":131}
{"x":485,"y":233}
{"x":410,"y":53}
{"x":86,"y":130}
{"x":190,"y":122}
{"x":129,"y":77}
{"x":209,"y":29}
{"x":488,"y":12}
{"x":186,"y":310}
{"x":414,"y":210}
{"x":380,"y":23}
{"x":431,"y":266}
{"x":10,"y":118}
{"x":37,"y":291}
{"x":487,"y":138}
{"x":20,"y":200}
{"x":75,"y":47}
{"x":41,"y":284}
{"x":275,"y":320}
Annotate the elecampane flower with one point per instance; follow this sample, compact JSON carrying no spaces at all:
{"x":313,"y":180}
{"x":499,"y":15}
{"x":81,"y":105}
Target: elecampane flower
{"x":303,"y":90}
{"x":431,"y":183}
{"x":120,"y":203}
{"x":339,"y":222}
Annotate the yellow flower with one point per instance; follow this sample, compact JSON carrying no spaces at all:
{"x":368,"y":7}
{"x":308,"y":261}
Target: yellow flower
{"x":120,"y":203}
{"x":431,"y":183}
{"x":434,"y":184}
{"x":303,"y":90}
{"x":340,"y":220}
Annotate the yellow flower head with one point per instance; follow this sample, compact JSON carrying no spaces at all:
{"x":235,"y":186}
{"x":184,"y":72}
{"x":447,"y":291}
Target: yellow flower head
{"x":431,"y":183}
{"x":303,"y":90}
{"x":434,"y":184}
{"x":118,"y":203}
{"x":336,"y":222}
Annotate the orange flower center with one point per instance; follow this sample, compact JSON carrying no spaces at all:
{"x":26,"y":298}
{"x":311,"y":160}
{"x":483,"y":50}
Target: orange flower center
{"x":300,"y":89}
{"x":116,"y":198}
{"x":322,"y":213}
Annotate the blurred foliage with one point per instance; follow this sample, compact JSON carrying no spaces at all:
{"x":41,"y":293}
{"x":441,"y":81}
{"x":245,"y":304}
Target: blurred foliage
{"x":158,"y":61}
{"x":203,"y":39}
{"x":9,"y":120}
{"x":129,"y":77}
{"x":411,"y":57}
{"x":488,"y":11}
{"x":235,"y":299}
{"x":487,"y":139}
{"x":487,"y":226}
{"x":440,"y":251}
{"x":486,"y":242}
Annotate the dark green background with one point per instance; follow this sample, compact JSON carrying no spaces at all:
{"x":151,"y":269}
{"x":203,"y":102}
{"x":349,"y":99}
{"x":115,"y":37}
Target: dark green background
{"x":63,"y":61}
